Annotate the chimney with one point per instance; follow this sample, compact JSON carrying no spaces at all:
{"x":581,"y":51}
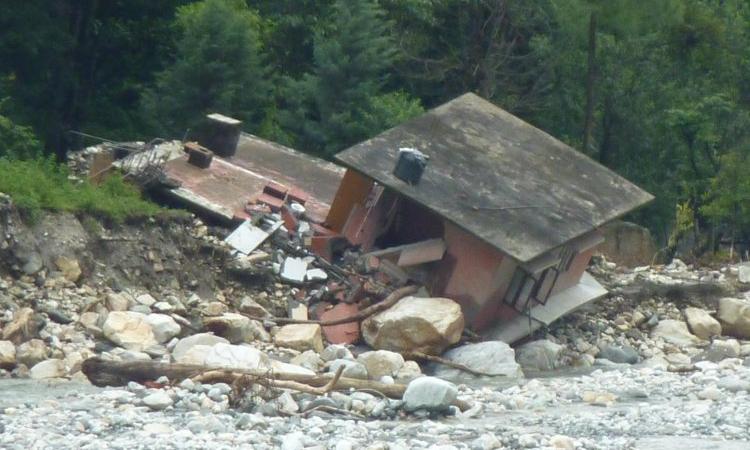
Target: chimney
{"x":410,"y":165}
{"x":198,"y":155}
{"x":220,"y":134}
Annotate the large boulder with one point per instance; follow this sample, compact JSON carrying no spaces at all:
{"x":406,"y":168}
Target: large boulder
{"x":619,"y":354}
{"x":163,"y":326}
{"x":129,"y":330}
{"x":627,"y":244}
{"x":381,"y":363}
{"x":69,"y":268}
{"x":429,"y":393}
{"x":300,"y":337}
{"x":236,"y":357}
{"x":236,"y":328}
{"x":184,"y":345}
{"x":743,"y":273}
{"x":701,"y":323}
{"x":50,"y":368}
{"x":540,"y":355}
{"x":31,"y":352}
{"x":734,"y":315}
{"x":675,"y":332}
{"x":24,"y":326}
{"x":427,"y":325}
{"x":491,"y":357}
{"x":7,"y":355}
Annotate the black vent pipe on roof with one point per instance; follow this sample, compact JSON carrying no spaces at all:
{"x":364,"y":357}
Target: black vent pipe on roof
{"x":410,"y":165}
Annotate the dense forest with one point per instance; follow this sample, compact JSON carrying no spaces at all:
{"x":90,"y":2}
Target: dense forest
{"x":658,"y":91}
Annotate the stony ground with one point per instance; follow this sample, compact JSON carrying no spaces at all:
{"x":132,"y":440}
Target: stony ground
{"x":620,"y":408}
{"x":664,"y":362}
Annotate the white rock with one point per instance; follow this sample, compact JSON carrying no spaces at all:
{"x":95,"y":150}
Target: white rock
{"x":336,"y":351}
{"x":51,"y":368}
{"x":429,"y":393}
{"x":7,"y":354}
{"x":743,"y":272}
{"x":145,"y":300}
{"x":129,"y":330}
{"x":701,"y":323}
{"x":158,"y":400}
{"x":427,"y":325}
{"x":490,"y":357}
{"x":185,"y":344}
{"x":675,"y":332}
{"x":352,"y":369}
{"x":196,"y":355}
{"x":163,"y":326}
{"x":381,"y":362}
{"x":117,"y":302}
{"x":236,"y":357}
{"x":539,"y":355}
{"x":300,"y":337}
{"x":562,"y":442}
{"x":308,"y":359}
{"x":293,"y":369}
{"x":734,"y":315}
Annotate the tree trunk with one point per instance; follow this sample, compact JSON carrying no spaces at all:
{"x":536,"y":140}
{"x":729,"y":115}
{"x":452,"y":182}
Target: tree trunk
{"x":588,"y":125}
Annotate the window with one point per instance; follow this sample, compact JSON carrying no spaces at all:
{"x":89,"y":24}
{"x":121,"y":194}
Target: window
{"x":543,"y":288}
{"x":567,"y":255}
{"x":526,"y":287}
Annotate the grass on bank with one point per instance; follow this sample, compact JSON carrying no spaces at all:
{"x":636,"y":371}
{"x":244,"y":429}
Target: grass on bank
{"x":42,"y":184}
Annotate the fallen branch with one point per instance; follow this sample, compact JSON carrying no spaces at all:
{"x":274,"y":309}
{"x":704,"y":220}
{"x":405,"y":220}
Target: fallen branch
{"x":389,"y":301}
{"x":118,"y":373}
{"x":446,"y":362}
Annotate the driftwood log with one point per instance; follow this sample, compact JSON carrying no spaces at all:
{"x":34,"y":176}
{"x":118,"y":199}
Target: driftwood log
{"x":118,"y":373}
{"x":101,"y":372}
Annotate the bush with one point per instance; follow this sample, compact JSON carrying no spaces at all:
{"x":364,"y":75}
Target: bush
{"x":42,"y":184}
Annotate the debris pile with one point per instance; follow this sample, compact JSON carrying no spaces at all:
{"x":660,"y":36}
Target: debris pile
{"x":672,"y":317}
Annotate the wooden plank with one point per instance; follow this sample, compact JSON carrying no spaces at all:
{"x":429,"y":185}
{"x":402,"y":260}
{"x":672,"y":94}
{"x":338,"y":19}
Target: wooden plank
{"x":422,"y":252}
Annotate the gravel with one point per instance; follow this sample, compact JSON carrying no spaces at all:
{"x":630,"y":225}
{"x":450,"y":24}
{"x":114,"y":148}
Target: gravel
{"x":649,"y":408}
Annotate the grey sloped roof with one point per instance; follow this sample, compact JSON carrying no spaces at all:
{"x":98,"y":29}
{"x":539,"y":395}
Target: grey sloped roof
{"x":501,"y":179}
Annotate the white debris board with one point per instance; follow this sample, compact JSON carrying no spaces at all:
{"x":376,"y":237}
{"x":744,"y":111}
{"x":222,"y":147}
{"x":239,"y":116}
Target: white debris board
{"x":246,"y":238}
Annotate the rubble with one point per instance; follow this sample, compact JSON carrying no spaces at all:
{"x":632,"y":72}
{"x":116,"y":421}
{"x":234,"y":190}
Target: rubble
{"x":169,"y":318}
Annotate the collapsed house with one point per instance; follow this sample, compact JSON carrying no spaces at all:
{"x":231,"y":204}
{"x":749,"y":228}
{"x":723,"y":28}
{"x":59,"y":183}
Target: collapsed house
{"x":494,"y":213}
{"x":468,"y":200}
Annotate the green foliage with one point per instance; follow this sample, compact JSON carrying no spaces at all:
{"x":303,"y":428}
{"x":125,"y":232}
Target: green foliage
{"x":670,"y":89}
{"x":42,"y":184}
{"x":18,"y":141}
{"x":344,"y":98}
{"x":728,"y":199}
{"x":218,"y":67}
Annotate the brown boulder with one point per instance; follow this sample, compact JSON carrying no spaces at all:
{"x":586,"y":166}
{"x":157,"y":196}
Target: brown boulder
{"x":427,"y":325}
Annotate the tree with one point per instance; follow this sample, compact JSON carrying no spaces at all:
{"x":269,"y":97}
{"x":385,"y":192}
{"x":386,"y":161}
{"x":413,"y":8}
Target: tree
{"x":344,"y":99}
{"x":17,"y":141}
{"x":218,"y":67}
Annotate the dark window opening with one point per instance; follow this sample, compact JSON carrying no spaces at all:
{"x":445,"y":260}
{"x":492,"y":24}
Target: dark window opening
{"x":567,"y":255}
{"x":526,"y":287}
